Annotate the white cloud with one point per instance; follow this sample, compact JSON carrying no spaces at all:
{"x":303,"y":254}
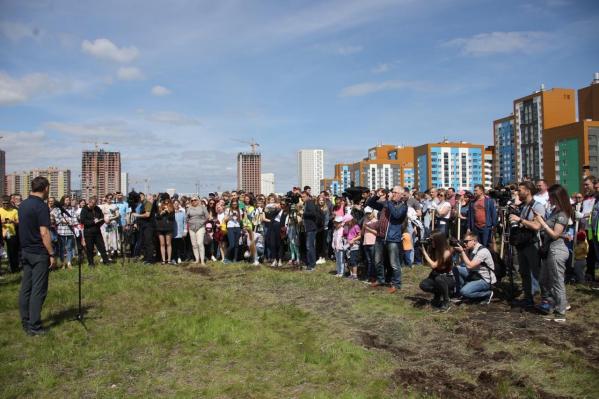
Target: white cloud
{"x":94,"y":130}
{"x":129,"y":73}
{"x":16,"y":31}
{"x":105,"y":49}
{"x":18,"y":90}
{"x":160,"y":91}
{"x":501,"y":42}
{"x":349,"y":50}
{"x":362,"y":89}
{"x":173,"y":118}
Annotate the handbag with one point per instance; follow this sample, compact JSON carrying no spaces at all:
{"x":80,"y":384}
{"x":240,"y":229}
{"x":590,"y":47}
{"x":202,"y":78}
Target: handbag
{"x":207,"y":239}
{"x":520,"y":236}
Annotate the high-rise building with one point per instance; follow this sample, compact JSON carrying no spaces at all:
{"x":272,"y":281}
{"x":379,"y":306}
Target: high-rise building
{"x":342,"y":176}
{"x":124,"y":183}
{"x":3,"y":190}
{"x":249,"y":171}
{"x":504,"y":158}
{"x":331,"y":185}
{"x":488,"y":169}
{"x":267,"y":183}
{"x":588,"y":101}
{"x":100,"y":173}
{"x":446,"y":164}
{"x":386,"y":166}
{"x":18,"y":183}
{"x":310,"y":167}
{"x":567,"y":149}
{"x":60,"y":181}
{"x":533,"y":114}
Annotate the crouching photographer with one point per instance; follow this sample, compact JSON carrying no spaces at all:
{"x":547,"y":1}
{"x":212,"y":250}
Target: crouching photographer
{"x":475,"y":278}
{"x":440,"y":282}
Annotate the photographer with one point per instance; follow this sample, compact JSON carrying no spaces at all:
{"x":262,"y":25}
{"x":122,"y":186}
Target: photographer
{"x":524,"y":236}
{"x":392,"y":213}
{"x":476,"y":277}
{"x":440,"y":281}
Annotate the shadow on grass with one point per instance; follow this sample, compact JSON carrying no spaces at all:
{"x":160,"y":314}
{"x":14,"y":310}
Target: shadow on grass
{"x":69,"y":314}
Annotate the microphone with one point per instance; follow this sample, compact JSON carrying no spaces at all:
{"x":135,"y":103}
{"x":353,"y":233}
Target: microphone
{"x":62,"y":210}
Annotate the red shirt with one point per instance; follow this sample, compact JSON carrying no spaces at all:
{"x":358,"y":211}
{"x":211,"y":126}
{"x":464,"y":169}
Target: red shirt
{"x":480,"y":215}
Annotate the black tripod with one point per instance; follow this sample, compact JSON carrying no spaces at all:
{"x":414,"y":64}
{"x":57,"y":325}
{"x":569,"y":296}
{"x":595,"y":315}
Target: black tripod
{"x":508,"y":256}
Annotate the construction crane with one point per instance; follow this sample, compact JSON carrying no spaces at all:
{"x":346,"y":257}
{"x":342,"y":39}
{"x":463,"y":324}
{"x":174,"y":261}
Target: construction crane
{"x":252,"y":143}
{"x":96,"y":143}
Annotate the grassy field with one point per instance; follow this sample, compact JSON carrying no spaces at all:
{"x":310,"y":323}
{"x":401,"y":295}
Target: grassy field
{"x":238,"y":331}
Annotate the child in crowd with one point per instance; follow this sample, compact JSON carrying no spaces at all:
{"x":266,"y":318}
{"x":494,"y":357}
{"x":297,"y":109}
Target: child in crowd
{"x":581,"y":250}
{"x":339,"y":245}
{"x":407,"y":245}
{"x":369,"y":230}
{"x":353,"y":238}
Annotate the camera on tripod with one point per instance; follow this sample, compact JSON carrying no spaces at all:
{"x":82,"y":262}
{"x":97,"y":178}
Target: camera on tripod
{"x":502,"y":194}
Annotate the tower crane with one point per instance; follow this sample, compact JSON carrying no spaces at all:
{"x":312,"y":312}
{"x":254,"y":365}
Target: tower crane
{"x":96,"y":143}
{"x":252,"y":143}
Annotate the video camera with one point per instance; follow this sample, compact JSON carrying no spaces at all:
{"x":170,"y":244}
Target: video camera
{"x":355,"y":193}
{"x":133,"y":198}
{"x":292,"y":198}
{"x":501,"y":194}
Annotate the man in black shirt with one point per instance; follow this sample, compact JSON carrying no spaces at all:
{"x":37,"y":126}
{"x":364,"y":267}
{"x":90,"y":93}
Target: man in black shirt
{"x":92,"y":218}
{"x":37,"y":255}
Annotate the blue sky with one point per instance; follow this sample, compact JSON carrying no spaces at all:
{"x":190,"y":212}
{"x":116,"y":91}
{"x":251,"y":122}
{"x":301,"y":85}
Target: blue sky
{"x":172,"y":84}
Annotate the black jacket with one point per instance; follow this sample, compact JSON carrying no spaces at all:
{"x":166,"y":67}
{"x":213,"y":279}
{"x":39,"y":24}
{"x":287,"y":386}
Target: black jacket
{"x":88,"y":215}
{"x":313,"y":218}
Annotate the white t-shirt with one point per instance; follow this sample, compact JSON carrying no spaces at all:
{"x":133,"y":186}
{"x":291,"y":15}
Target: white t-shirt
{"x":542,"y":199}
{"x":483,"y":255}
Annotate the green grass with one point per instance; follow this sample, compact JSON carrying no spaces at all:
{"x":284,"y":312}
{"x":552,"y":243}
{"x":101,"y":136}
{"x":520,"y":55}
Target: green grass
{"x":237,"y":331}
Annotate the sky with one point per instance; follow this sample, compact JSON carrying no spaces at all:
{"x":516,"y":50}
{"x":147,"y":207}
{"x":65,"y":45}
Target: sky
{"x":178,"y":86}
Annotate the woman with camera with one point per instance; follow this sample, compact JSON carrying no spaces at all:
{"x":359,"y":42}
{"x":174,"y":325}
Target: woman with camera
{"x":440,"y":280}
{"x":554,"y":253}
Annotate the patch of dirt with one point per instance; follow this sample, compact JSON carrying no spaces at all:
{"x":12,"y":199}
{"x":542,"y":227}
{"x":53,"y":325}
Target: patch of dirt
{"x":370,"y":340}
{"x":202,"y":270}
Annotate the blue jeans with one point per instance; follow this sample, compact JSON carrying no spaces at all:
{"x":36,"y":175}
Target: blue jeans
{"x":369,"y":257}
{"x":65,"y":243}
{"x":484,"y":235}
{"x":233,"y":234}
{"x":408,"y":257}
{"x":340,"y":261}
{"x":310,"y":249}
{"x":394,"y":249}
{"x":471,"y":289}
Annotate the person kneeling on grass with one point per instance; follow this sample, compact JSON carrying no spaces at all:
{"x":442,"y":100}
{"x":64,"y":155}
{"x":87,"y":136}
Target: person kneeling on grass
{"x":475,"y":278}
{"x":440,"y":281}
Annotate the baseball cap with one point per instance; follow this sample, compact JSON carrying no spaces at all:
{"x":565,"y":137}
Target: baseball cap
{"x":368,"y":210}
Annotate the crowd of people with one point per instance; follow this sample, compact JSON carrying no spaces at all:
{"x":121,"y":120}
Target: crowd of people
{"x":550,"y":237}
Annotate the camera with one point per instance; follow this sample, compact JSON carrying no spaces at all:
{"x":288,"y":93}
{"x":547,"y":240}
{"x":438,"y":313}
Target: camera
{"x":454,"y":242}
{"x":423,"y":242}
{"x":291,"y":198}
{"x":502,"y":194}
{"x":355,"y":193}
{"x":133,"y":199}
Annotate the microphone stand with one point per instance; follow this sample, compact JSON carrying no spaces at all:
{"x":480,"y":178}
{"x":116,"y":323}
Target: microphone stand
{"x":79,"y":316}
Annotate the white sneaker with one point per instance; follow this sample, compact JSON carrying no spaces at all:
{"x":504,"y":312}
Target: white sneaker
{"x":256,"y":263}
{"x":320,"y":261}
{"x":213,"y":258}
{"x":274,"y":264}
{"x":280,"y":263}
{"x":179,"y":260}
{"x":338,"y":275}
